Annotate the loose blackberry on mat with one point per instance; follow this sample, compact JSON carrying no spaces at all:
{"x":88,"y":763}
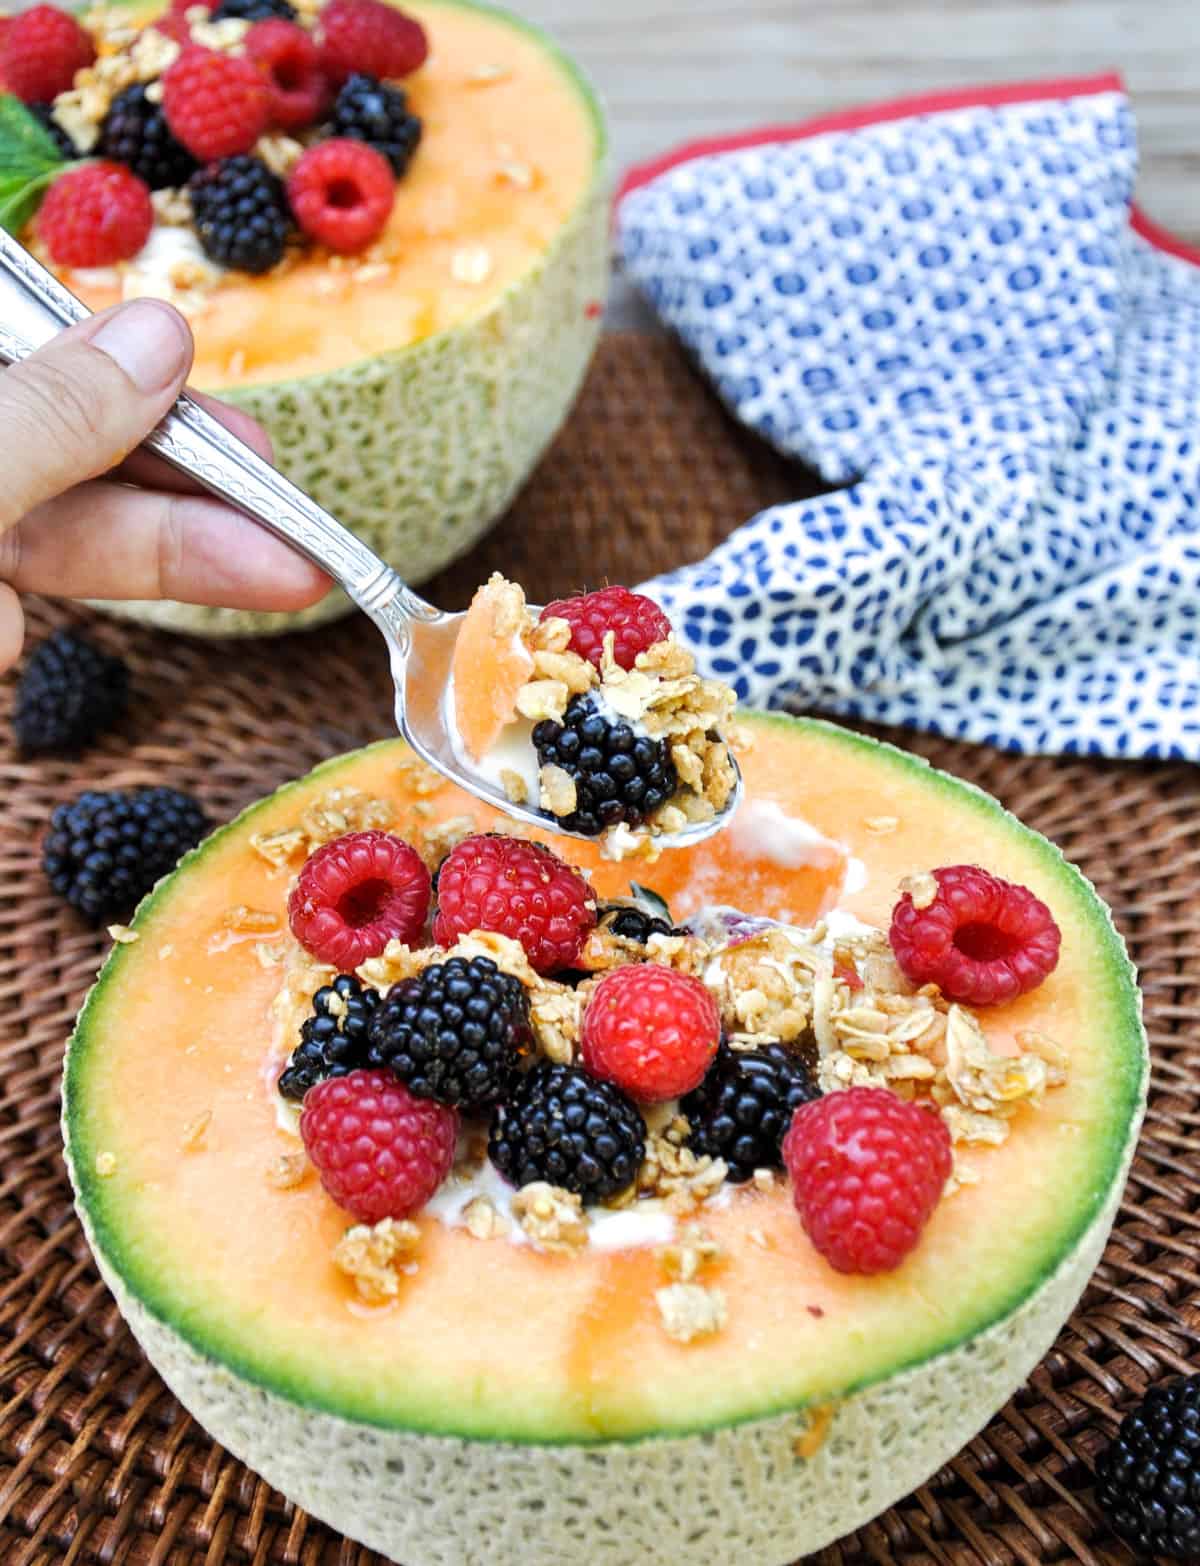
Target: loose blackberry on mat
{"x":562,"y":1126}
{"x":455,"y":1032}
{"x":135,"y":132}
{"x":333,"y":1041}
{"x":619,"y":775}
{"x":241,"y":213}
{"x":105,"y":851}
{"x":69,"y":693}
{"x":743,"y":1107}
{"x":1148,"y":1478}
{"x":375,"y":112}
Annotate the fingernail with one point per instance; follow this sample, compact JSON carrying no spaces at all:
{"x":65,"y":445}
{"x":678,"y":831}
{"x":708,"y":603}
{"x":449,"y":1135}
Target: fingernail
{"x":148,"y":341}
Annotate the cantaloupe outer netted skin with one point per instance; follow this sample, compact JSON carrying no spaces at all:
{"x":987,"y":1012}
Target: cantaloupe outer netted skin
{"x":745,"y":1481}
{"x":419,"y":450}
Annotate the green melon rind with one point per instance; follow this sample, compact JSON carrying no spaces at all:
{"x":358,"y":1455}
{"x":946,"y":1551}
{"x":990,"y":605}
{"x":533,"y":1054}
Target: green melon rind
{"x":1090,"y":1217}
{"x":462,"y":417}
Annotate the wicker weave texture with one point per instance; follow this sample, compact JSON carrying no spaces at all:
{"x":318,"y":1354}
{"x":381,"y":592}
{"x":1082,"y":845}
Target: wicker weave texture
{"x":98,"y":1463}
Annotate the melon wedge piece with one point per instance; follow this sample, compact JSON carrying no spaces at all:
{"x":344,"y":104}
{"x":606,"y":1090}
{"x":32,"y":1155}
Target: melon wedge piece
{"x":490,"y":665}
{"x":513,"y":1407}
{"x":411,"y":391}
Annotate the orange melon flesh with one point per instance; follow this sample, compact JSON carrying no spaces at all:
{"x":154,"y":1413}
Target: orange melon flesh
{"x":507,"y":152}
{"x":490,"y":1340}
{"x":489,"y":667}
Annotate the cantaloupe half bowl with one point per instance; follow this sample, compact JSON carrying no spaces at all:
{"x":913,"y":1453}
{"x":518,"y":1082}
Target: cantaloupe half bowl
{"x":412,"y":391}
{"x":514,"y":1407}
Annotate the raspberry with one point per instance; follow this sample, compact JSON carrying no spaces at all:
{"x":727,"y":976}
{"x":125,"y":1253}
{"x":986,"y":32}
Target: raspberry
{"x":95,"y":215}
{"x":41,"y":51}
{"x":635,"y":621}
{"x":356,"y":894}
{"x":380,"y":1152}
{"x":652,"y":1031}
{"x":216,"y":104}
{"x":368,"y":35}
{"x":981,"y":941}
{"x":288,"y":57}
{"x":342,"y":193}
{"x":173,"y":23}
{"x":518,"y":889}
{"x":867,"y":1170}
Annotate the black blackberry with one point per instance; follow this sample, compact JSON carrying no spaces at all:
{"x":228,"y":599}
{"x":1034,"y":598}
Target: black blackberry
{"x":633,"y":924}
{"x":253,"y":10}
{"x":745,"y":1104}
{"x":454,"y":1032}
{"x":333,"y":1041}
{"x":105,"y":851}
{"x":43,"y":114}
{"x":1148,"y":1478}
{"x":135,"y":133}
{"x":372,"y":111}
{"x":619,"y":775}
{"x":563,"y":1126}
{"x":69,"y":693}
{"x":241,"y":213}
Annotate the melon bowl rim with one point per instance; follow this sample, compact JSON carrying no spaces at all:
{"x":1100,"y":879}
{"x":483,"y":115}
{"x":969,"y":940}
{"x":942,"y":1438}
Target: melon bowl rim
{"x":737,"y":1484}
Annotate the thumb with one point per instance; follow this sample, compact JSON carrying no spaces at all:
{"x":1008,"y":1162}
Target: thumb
{"x":78,"y":406}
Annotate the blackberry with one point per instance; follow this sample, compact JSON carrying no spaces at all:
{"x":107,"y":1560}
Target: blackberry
{"x":454,"y":1032}
{"x":745,"y":1104}
{"x":563,"y":1126}
{"x":372,"y":111}
{"x":105,"y":851}
{"x":333,"y":1041}
{"x":253,"y":10}
{"x":69,"y":693}
{"x":619,"y":775}
{"x":135,"y":133}
{"x":241,"y":213}
{"x":1148,"y":1478}
{"x":632,"y":923}
{"x":43,"y":114}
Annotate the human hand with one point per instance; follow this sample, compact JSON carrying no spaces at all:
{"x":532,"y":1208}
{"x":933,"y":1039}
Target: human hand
{"x":74,"y":411}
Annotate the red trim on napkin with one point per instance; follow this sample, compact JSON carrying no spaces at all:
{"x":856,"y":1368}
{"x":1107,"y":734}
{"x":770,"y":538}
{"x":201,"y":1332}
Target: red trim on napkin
{"x":902,"y":109}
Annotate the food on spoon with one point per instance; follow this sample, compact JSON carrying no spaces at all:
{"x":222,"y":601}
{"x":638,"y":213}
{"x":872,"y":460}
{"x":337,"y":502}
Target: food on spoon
{"x":585,"y":1267}
{"x":597,"y":715}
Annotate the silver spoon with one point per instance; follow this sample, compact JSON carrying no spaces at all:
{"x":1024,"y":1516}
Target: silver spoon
{"x":34,"y":305}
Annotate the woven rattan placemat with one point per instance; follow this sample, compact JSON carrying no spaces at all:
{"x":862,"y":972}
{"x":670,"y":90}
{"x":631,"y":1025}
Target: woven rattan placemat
{"x":98,"y":1463}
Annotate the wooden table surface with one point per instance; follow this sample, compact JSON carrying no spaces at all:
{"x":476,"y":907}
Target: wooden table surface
{"x":673,"y":69}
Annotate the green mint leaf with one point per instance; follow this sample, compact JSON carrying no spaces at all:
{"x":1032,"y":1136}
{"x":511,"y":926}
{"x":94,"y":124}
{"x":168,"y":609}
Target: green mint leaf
{"x":650,"y":902}
{"x":27,"y":148}
{"x":20,"y":199}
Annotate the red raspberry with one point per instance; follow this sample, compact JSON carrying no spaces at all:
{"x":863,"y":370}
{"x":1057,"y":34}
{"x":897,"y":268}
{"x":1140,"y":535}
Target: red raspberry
{"x":370,"y":36}
{"x":867,"y":1170}
{"x":173,"y":23}
{"x":636,"y":622}
{"x":216,"y":104}
{"x":650,"y":1030}
{"x":288,"y":56}
{"x":42,"y":50}
{"x":356,"y":894}
{"x":342,"y":193}
{"x":95,"y":215}
{"x":380,"y":1152}
{"x":981,"y":941}
{"x":518,"y":889}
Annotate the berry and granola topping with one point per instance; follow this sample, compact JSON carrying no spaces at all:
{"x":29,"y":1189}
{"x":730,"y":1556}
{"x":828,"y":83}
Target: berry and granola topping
{"x":621,"y":740}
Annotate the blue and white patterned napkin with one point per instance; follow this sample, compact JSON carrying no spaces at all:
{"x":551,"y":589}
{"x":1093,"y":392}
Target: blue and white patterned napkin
{"x":945,"y":305}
